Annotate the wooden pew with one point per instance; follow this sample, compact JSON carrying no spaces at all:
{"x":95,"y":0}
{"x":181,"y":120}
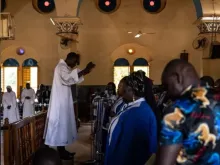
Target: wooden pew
{"x":7,"y":143}
{"x":22,"y":139}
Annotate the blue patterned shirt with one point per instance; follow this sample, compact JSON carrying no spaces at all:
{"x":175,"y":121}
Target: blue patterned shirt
{"x":193,"y":121}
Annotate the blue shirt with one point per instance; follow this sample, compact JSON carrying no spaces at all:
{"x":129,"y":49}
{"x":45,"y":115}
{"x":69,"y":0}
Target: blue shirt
{"x":132,"y":136}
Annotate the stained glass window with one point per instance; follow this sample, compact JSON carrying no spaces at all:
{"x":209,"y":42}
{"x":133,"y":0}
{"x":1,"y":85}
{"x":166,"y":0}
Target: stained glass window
{"x":121,"y":69}
{"x":30,"y":73}
{"x":143,"y":68}
{"x":119,"y":73}
{"x":141,"y":64}
{"x":10,"y":77}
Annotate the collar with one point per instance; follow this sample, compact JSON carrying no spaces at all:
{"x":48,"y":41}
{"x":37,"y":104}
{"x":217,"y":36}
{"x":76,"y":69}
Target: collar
{"x":186,"y":90}
{"x":63,"y":62}
{"x":136,"y":101}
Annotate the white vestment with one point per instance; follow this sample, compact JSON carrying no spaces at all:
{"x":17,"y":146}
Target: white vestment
{"x":60,"y":128}
{"x":28,"y":104}
{"x":9,"y":99}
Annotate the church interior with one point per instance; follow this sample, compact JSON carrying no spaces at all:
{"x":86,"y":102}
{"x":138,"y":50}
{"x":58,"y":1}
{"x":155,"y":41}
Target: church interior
{"x":119,"y":36}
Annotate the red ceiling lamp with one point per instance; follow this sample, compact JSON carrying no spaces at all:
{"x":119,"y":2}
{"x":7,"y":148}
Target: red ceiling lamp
{"x":46,"y":3}
{"x":152,"y":3}
{"x":107,"y":3}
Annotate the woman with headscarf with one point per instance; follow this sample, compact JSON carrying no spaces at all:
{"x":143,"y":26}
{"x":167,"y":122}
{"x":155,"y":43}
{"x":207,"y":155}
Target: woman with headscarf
{"x":132,"y":135}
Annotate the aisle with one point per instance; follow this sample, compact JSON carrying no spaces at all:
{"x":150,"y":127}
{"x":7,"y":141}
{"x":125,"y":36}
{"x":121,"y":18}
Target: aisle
{"x":82,"y":146}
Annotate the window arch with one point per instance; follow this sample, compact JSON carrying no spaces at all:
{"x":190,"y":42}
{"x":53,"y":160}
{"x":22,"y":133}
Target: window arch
{"x":141,"y":64}
{"x":44,"y":6}
{"x":30,"y":73}
{"x":107,"y":6}
{"x":9,"y":74}
{"x":121,"y":69}
{"x":154,"y":6}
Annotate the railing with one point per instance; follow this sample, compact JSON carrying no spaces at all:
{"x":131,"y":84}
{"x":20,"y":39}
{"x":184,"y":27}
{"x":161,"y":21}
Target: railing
{"x":22,"y":139}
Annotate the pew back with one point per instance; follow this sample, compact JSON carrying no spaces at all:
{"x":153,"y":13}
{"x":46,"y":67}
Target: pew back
{"x":22,"y":139}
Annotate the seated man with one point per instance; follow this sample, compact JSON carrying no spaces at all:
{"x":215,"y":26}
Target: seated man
{"x":190,"y":129}
{"x":46,"y":156}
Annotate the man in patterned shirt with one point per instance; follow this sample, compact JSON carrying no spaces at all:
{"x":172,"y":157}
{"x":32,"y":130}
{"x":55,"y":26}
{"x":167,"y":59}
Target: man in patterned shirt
{"x":190,"y":128}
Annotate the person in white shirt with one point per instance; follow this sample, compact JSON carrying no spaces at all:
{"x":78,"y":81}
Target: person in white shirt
{"x":60,"y":128}
{"x":10,"y":106}
{"x":27,"y":99}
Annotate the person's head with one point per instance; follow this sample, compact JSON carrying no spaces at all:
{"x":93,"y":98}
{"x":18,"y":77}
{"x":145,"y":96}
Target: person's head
{"x":207,"y":81}
{"x":134,"y":87}
{"x":217,"y":84}
{"x":72,"y":59}
{"x":46,"y":156}
{"x":111,"y":88}
{"x":42,"y":87}
{"x":9,"y":89}
{"x":28,"y":86}
{"x":177,"y":76}
{"x":120,"y":90}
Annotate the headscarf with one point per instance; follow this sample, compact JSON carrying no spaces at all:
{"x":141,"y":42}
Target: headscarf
{"x":136,"y":82}
{"x":8,"y":87}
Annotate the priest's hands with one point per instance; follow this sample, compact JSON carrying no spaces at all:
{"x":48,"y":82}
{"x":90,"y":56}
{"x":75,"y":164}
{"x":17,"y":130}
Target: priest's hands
{"x":90,"y":66}
{"x":9,"y":107}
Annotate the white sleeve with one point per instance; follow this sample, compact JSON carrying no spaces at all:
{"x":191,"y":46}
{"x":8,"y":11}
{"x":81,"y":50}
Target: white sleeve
{"x":70,"y":78}
{"x":32,"y":97}
{"x":23,"y":96}
{"x":14,"y":106}
{"x":4,"y":102}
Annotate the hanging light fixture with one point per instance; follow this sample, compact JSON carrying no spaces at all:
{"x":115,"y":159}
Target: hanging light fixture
{"x":7,"y":27}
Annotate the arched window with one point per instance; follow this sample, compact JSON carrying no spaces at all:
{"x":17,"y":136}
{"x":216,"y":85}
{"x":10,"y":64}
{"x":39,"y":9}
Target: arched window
{"x":154,"y":6}
{"x":141,"y":64}
{"x":121,"y":69}
{"x":9,"y":74}
{"x":30,"y":73}
{"x":107,"y":6}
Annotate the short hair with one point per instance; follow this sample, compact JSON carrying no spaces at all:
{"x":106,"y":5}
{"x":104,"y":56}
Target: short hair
{"x":46,"y":156}
{"x":72,"y":55}
{"x":181,"y":66}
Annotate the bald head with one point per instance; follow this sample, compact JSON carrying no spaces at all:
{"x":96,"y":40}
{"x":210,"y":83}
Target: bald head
{"x":178,"y":75}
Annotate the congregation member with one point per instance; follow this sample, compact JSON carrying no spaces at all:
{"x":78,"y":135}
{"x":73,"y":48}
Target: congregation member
{"x":10,"y":108}
{"x":132,"y":135}
{"x":1,"y":95}
{"x":60,"y":128}
{"x":46,"y":156}
{"x":217,"y":90}
{"x":39,"y":94}
{"x":190,"y":128}
{"x":119,"y":104}
{"x":27,"y":99}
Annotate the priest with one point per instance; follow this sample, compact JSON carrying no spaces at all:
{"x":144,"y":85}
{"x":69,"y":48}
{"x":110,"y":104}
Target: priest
{"x":10,"y":106}
{"x":27,"y":99}
{"x":60,"y":129}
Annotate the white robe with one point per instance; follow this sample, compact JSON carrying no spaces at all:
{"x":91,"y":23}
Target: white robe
{"x":60,"y":128}
{"x":28,"y":104}
{"x":9,"y":99}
